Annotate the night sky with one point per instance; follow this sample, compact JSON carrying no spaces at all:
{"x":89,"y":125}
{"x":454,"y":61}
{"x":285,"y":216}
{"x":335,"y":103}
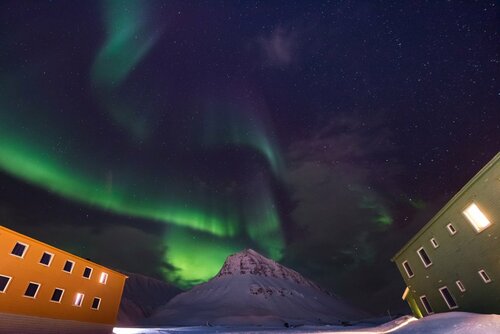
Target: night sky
{"x":159,"y":137}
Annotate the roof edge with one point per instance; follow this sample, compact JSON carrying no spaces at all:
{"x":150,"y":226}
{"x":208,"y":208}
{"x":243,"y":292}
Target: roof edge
{"x":445,"y":208}
{"x":61,"y":250}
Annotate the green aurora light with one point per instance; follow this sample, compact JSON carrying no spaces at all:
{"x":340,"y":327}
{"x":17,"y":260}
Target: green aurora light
{"x":128,"y":40}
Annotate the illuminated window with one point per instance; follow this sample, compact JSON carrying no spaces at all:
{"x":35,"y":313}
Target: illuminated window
{"x":96,"y":303}
{"x":434,"y":243}
{"x":484,"y":276}
{"x":4,"y":283}
{"x":32,"y":290}
{"x":87,"y":272}
{"x":408,"y":270}
{"x":57,"y":295}
{"x":46,"y":258}
{"x":426,"y":304}
{"x":451,"y":229}
{"x":460,"y":285}
{"x":104,"y":278}
{"x":68,"y":266}
{"x":19,"y":249}
{"x":476,"y":217}
{"x":78,"y":299}
{"x":448,"y":298}
{"x":424,"y":257}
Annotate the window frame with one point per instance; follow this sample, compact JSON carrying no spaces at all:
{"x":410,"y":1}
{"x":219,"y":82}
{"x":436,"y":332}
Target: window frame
{"x":434,"y":243}
{"x":460,"y":286}
{"x":72,"y":266}
{"x":105,"y":276}
{"x":476,"y":228}
{"x":422,"y":259}
{"x":50,"y":261}
{"x":406,"y":269}
{"x":452,"y":233}
{"x":446,"y":300}
{"x":6,"y":285}
{"x":26,"y":246}
{"x":36,"y":292}
{"x":484,"y":276}
{"x":90,"y":274}
{"x":98,"y":304}
{"x":425,"y":306}
{"x":60,"y":298}
{"x":76,"y":299}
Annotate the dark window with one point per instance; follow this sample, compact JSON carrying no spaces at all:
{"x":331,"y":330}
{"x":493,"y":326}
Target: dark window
{"x":484,"y":276}
{"x":451,"y":228}
{"x":68,"y":266}
{"x":18,"y":249}
{"x":424,"y":257}
{"x":46,"y":258}
{"x":87,"y":272}
{"x":95,"y":303}
{"x":32,"y":289}
{"x":408,"y":270}
{"x":57,"y":295}
{"x":434,"y":243}
{"x":426,"y":304}
{"x":4,"y":281}
{"x":448,"y":298}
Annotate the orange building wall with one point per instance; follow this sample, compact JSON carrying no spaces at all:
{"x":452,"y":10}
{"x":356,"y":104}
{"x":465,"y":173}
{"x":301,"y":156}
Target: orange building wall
{"x":28,"y":269}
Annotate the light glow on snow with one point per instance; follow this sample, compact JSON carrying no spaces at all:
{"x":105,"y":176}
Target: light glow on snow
{"x":125,"y":330}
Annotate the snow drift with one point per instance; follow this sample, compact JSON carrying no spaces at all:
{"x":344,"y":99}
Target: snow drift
{"x":253,"y":290}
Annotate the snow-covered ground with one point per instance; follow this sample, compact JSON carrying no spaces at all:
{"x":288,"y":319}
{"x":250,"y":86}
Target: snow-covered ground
{"x":444,"y":323}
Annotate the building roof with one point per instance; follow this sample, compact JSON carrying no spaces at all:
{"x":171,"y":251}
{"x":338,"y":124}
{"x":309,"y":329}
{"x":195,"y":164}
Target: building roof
{"x":445,"y":208}
{"x":60,"y":250}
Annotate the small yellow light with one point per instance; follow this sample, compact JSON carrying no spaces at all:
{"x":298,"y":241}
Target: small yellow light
{"x":476,"y":217}
{"x":103,"y":278}
{"x":405,"y":293}
{"x":79,"y":299}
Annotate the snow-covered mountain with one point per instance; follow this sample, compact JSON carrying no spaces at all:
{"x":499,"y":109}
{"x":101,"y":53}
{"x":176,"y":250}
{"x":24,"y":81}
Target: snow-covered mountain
{"x":141,"y":296}
{"x":253,"y":290}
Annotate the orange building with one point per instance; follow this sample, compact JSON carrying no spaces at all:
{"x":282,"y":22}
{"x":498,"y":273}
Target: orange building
{"x":38,"y":281}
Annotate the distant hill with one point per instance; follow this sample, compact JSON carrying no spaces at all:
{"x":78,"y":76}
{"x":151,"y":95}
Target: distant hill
{"x":253,"y":290}
{"x":141,"y":296}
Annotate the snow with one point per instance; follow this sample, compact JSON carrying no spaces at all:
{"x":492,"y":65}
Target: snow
{"x":444,"y":323}
{"x":253,"y":290}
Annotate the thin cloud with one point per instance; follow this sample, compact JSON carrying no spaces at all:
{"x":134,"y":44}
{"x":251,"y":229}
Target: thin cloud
{"x":279,"y":48}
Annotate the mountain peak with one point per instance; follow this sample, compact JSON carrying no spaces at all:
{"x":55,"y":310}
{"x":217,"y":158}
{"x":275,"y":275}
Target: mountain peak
{"x":250,"y":262}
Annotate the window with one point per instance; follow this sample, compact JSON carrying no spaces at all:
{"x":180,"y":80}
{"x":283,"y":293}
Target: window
{"x":451,"y":229}
{"x":87,"y":272}
{"x":434,"y":243}
{"x":104,"y":278}
{"x":46,"y":258}
{"x":57,"y":295}
{"x":461,"y":286}
{"x":32,"y":290}
{"x":484,"y":276}
{"x":424,"y":257}
{"x":96,"y":303}
{"x":408,"y":270}
{"x":4,"y":283}
{"x":19,"y":249}
{"x":476,"y":217}
{"x":68,"y":266}
{"x":78,"y":299}
{"x":448,"y":298}
{"x":426,"y":304}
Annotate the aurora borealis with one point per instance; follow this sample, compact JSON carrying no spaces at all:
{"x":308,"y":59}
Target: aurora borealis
{"x":160,"y":137}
